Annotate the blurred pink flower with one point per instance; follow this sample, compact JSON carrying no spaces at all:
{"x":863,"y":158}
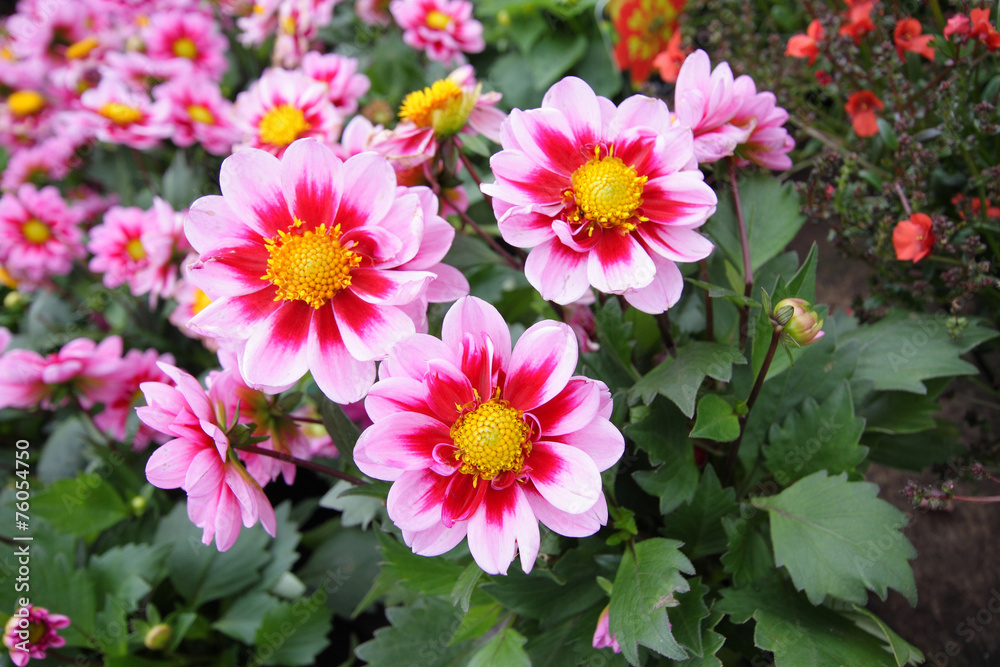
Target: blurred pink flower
{"x":769,"y":143}
{"x":39,"y":234}
{"x":444,"y":29}
{"x":136,"y":367}
{"x":485,"y":441}
{"x":603,"y":637}
{"x":373,"y":12}
{"x":123,"y":116}
{"x":705,"y":100}
{"x":199,"y":114}
{"x":604,"y":196}
{"x":31,"y":631}
{"x":201,"y":461}
{"x":47,"y":161}
{"x":188,"y":37}
{"x":340,"y":74}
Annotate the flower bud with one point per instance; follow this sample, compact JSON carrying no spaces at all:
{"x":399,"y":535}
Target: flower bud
{"x":802,"y":324}
{"x":158,"y":637}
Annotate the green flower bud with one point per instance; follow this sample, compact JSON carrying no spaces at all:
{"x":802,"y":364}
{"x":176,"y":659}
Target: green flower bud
{"x":802,"y":324}
{"x":158,"y":638}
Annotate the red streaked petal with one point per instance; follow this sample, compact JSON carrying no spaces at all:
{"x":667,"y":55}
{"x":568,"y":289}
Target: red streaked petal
{"x":404,"y":440}
{"x":210,"y":219}
{"x":389,"y":288}
{"x":462,"y":499}
{"x":369,"y":191}
{"x":236,"y":316}
{"x":369,"y":331}
{"x":565,"y":476}
{"x":571,"y":409}
{"x":541,"y":365}
{"x":600,"y":440}
{"x":251,"y":183}
{"x":340,"y":376}
{"x":394,"y":395}
{"x":435,"y":540}
{"x":312,"y":180}
{"x":230,"y":268}
{"x":557,"y":272}
{"x":447,"y":390}
{"x":618,"y":263}
{"x":276,"y":354}
{"x":472,"y":314}
{"x":503,"y":523}
{"x":409,"y":356}
{"x":414,"y":501}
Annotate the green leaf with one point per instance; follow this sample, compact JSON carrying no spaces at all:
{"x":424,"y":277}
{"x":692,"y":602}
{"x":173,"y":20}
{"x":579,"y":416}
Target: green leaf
{"x":838,"y":538}
{"x":461,"y":594}
{"x":698,"y":524}
{"x":898,"y":412}
{"x":478,"y":620}
{"x":772,"y":214}
{"x":647,"y":580}
{"x":504,"y":649}
{"x":294,"y":633}
{"x":345,"y":565}
{"x":715,"y":292}
{"x":903,"y":651}
{"x":283,"y":548}
{"x":716,"y":420}
{"x":200,"y":572}
{"x":747,"y":557}
{"x":245,"y":616}
{"x":613,"y":333}
{"x":62,"y":453}
{"x":128,"y":572}
{"x":553,"y":55}
{"x":180,"y":183}
{"x":342,"y":430}
{"x":687,"y":616}
{"x":421,"y":630}
{"x":679,"y":378}
{"x":662,"y":434}
{"x":916,"y":451}
{"x":57,"y":586}
{"x":356,"y":510}
{"x":711,"y":642}
{"x":81,"y":506}
{"x":901,"y":351}
{"x":799,"y":633}
{"x":816,"y":437}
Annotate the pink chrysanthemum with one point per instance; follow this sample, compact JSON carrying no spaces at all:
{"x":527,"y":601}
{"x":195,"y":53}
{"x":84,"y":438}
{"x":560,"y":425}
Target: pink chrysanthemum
{"x":260,"y":23}
{"x":88,"y":371}
{"x":373,"y":12}
{"x":199,"y":114}
{"x":769,"y":143}
{"x":124,"y":116}
{"x":136,"y":367}
{"x":301,"y":258}
{"x":31,"y":631}
{"x":340,"y":74}
{"x":50,"y":160}
{"x":485,"y":441}
{"x":283,"y":106}
{"x":705,"y":101}
{"x":191,"y":300}
{"x":190,"y":38}
{"x":605,"y":197}
{"x":39,"y":234}
{"x":297,"y":27}
{"x":200,"y":460}
{"x":444,"y":29}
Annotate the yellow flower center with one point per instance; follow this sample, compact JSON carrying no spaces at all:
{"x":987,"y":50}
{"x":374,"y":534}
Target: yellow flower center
{"x":185,"y":48}
{"x":310,"y":267}
{"x":25,"y":102}
{"x":282,"y":125}
{"x":6,"y":279}
{"x":201,"y":301}
{"x":607,"y":192}
{"x":36,"y":231}
{"x":201,"y":114}
{"x":6,"y":53}
{"x":81,"y":49}
{"x":288,"y":25}
{"x":437,"y":20}
{"x":491,"y":439}
{"x":443,"y":106}
{"x":135,"y":250}
{"x":120,"y":114}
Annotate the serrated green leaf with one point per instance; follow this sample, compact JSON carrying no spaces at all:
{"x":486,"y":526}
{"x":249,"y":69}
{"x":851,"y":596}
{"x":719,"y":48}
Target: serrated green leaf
{"x":81,"y":506}
{"x":916,"y":451}
{"x":466,"y":583}
{"x":902,"y":651}
{"x":128,"y":572}
{"x":747,"y":557}
{"x":648,"y":578}
{"x":716,"y":420}
{"x":687,"y":616}
{"x":716,"y":292}
{"x":698,"y":524}
{"x":422,"y":631}
{"x":294,"y":633}
{"x":245,"y":616}
{"x":662,"y":434}
{"x":711,"y":642}
{"x":898,"y":412}
{"x":679,"y":378}
{"x":838,"y":538}
{"x":356,"y":510}
{"x":504,"y":649}
{"x":342,"y":430}
{"x":816,"y":437}
{"x":476,"y":622}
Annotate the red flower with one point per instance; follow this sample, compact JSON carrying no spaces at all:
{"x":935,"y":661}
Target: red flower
{"x":913,"y":239}
{"x":669,"y":61}
{"x":823,"y":77}
{"x":859,"y":21}
{"x":644,"y":29}
{"x":983,"y":30}
{"x":807,"y":45}
{"x":958,"y":24}
{"x":908,"y":38}
{"x":975,"y":205}
{"x":861,"y":107}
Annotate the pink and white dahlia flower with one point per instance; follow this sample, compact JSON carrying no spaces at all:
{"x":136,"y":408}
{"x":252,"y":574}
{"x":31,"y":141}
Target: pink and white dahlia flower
{"x":189,"y":38}
{"x":31,"y":631}
{"x":340,"y":74}
{"x":199,"y":114}
{"x":201,"y":461}
{"x":605,"y":197}
{"x":484,"y":441}
{"x":39,"y":234}
{"x":302,"y":260}
{"x":125,"y":116}
{"x":705,"y":100}
{"x":444,"y":29}
{"x":769,"y":143}
{"x":283,"y":106}
{"x":136,"y":367}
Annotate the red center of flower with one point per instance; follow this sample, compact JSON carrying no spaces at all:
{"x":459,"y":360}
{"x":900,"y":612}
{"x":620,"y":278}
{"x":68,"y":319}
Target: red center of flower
{"x":607,"y":192}
{"x":310,"y":267}
{"x":491,"y":439}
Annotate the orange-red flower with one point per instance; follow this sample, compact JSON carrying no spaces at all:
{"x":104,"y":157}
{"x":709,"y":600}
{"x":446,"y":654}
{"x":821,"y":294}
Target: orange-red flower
{"x":669,"y":61}
{"x":862,"y":107}
{"x":859,"y":20}
{"x":975,"y":205}
{"x":807,"y":45}
{"x":644,"y":28}
{"x":908,"y":37}
{"x":913,"y":239}
{"x":983,"y":30}
{"x":958,"y":24}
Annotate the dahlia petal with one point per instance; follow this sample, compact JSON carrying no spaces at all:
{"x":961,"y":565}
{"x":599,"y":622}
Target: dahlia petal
{"x":663,"y":292}
{"x":404,"y":440}
{"x":571,"y":409}
{"x":235,"y":317}
{"x":583,"y":524}
{"x":312,"y":182}
{"x":449,"y":285}
{"x":368,"y":192}
{"x":618,"y":263}
{"x":369,"y":331}
{"x":600,"y":440}
{"x":227,"y":523}
{"x":436,"y":540}
{"x":475,"y":315}
{"x":578,"y":103}
{"x":546,"y":138}
{"x":409,"y":356}
{"x":487,"y":121}
{"x":523,"y":226}
{"x":246,"y":502}
{"x":210,"y":219}
{"x":373,"y":243}
{"x":168,"y":466}
{"x":190,"y":389}
{"x":276,"y":353}
{"x":557,"y":272}
{"x":524,"y":180}
{"x":230,"y":268}
{"x":462,"y":498}
{"x":205,"y":474}
{"x":414,"y":501}
{"x":541,"y":365}
{"x":448,"y":389}
{"x":251,"y":183}
{"x":389,"y":288}
{"x":639,"y":110}
{"x":565,"y":476}
{"x":339,"y":375}
{"x":503,"y":522}
{"x":397,"y":395}
{"x":677,"y":244}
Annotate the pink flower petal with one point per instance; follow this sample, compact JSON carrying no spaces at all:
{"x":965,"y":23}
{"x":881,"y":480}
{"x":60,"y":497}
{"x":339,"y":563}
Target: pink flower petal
{"x":205,"y":474}
{"x":557,"y":272}
{"x":168,"y":466}
{"x":462,"y":498}
{"x":571,"y":409}
{"x":340,"y":376}
{"x":522,"y":226}
{"x":578,"y":103}
{"x":571,"y":525}
{"x":409,"y":356}
{"x":369,"y":331}
{"x":312,"y":182}
{"x":397,"y":395}
{"x":368,"y":193}
{"x":681,"y":198}
{"x":472,"y":314}
{"x":227,"y":524}
{"x":565,"y":476}
{"x":663,"y":292}
{"x":436,"y":540}
{"x":231,"y":268}
{"x":235,"y":317}
{"x":276,"y":351}
{"x":541,"y":365}
{"x":448,"y":389}
{"x":503,"y":523}
{"x":600,"y":440}
{"x":414,"y":501}
{"x":389,"y":288}
{"x":404,"y":440}
{"x":210,"y":220}
{"x":618,"y":263}
{"x":251,"y":183}
{"x":449,"y":285}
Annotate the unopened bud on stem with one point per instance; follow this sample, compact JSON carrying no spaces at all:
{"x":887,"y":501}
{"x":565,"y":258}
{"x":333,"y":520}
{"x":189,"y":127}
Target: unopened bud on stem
{"x":798,"y":321}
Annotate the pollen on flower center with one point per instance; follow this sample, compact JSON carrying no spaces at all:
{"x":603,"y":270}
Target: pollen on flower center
{"x":491,"y":439}
{"x":121,"y":114}
{"x":607,"y":192}
{"x":81,"y":49}
{"x":25,"y":102}
{"x":310,"y":267}
{"x":443,"y":106}
{"x":185,"y":48}
{"x":201,"y":114}
{"x":36,"y":231}
{"x":201,"y":301}
{"x":437,"y":20}
{"x":282,"y":125}
{"x":135,"y":250}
